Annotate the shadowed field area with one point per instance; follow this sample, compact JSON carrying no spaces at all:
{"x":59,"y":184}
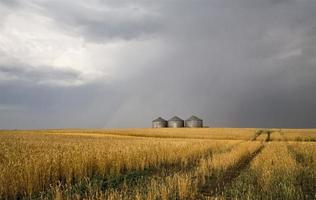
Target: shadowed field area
{"x":207,"y":163}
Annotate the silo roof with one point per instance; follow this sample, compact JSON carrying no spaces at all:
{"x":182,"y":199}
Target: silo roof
{"x":159,"y":119}
{"x":175,"y":118}
{"x":194,"y":118}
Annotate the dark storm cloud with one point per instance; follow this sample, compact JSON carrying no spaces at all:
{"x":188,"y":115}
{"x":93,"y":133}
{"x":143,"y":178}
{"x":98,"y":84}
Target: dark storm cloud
{"x":28,"y":105}
{"x":247,"y":63}
{"x":244,"y":64}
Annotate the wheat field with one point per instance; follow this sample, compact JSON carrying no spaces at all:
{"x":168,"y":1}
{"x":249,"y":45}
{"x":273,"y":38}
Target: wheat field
{"x":205,"y":163}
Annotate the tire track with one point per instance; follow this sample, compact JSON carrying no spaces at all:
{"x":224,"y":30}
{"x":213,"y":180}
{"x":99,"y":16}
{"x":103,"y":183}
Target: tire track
{"x":217,"y":187}
{"x":132,"y":178}
{"x":305,"y":179}
{"x":256,"y":135}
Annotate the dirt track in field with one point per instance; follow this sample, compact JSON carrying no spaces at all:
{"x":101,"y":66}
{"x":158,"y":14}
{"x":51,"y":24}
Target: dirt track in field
{"x":216,"y":187}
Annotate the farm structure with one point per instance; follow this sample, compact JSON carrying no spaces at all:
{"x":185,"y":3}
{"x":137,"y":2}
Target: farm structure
{"x":175,"y":122}
{"x":159,"y":123}
{"x":194,"y":122}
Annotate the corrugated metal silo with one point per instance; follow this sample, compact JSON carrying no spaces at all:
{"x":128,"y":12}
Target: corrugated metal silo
{"x":175,"y":122}
{"x":194,"y":122}
{"x":159,"y":123}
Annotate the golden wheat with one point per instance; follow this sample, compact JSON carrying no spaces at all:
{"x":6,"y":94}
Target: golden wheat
{"x":185,"y":184}
{"x":32,"y":162}
{"x":155,"y":164}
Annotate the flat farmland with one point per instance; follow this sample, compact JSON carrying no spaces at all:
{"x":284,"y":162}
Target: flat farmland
{"x":205,"y":163}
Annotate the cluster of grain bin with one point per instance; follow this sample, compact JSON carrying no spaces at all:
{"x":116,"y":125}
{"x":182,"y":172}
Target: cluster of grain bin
{"x":176,"y":122}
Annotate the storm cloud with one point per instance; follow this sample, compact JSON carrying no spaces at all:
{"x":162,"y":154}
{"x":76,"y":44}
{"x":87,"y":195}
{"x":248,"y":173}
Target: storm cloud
{"x":107,"y":64}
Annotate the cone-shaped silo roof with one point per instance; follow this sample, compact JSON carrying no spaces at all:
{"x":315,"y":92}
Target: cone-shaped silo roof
{"x":175,"y":118}
{"x":159,"y":119}
{"x":194,"y":118}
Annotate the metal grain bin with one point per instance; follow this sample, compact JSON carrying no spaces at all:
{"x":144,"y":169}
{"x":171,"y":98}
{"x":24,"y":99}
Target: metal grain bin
{"x":159,"y":123}
{"x":194,"y":122}
{"x":175,"y":122}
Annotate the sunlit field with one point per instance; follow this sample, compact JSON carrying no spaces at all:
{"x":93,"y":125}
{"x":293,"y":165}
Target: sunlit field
{"x":205,"y":163}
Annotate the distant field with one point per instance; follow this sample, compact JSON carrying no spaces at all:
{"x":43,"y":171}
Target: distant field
{"x":207,"y":163}
{"x":192,"y":133}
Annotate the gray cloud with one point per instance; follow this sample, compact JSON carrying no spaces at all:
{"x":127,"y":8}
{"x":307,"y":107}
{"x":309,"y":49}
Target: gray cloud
{"x":243,"y":64}
{"x":102,"y":22}
{"x":29,"y":105}
{"x":39,"y":74}
{"x":9,"y":2}
{"x":249,"y":63}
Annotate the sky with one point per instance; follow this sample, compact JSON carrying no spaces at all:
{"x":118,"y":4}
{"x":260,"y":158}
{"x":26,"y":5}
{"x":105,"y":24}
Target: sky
{"x":119,"y":64}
